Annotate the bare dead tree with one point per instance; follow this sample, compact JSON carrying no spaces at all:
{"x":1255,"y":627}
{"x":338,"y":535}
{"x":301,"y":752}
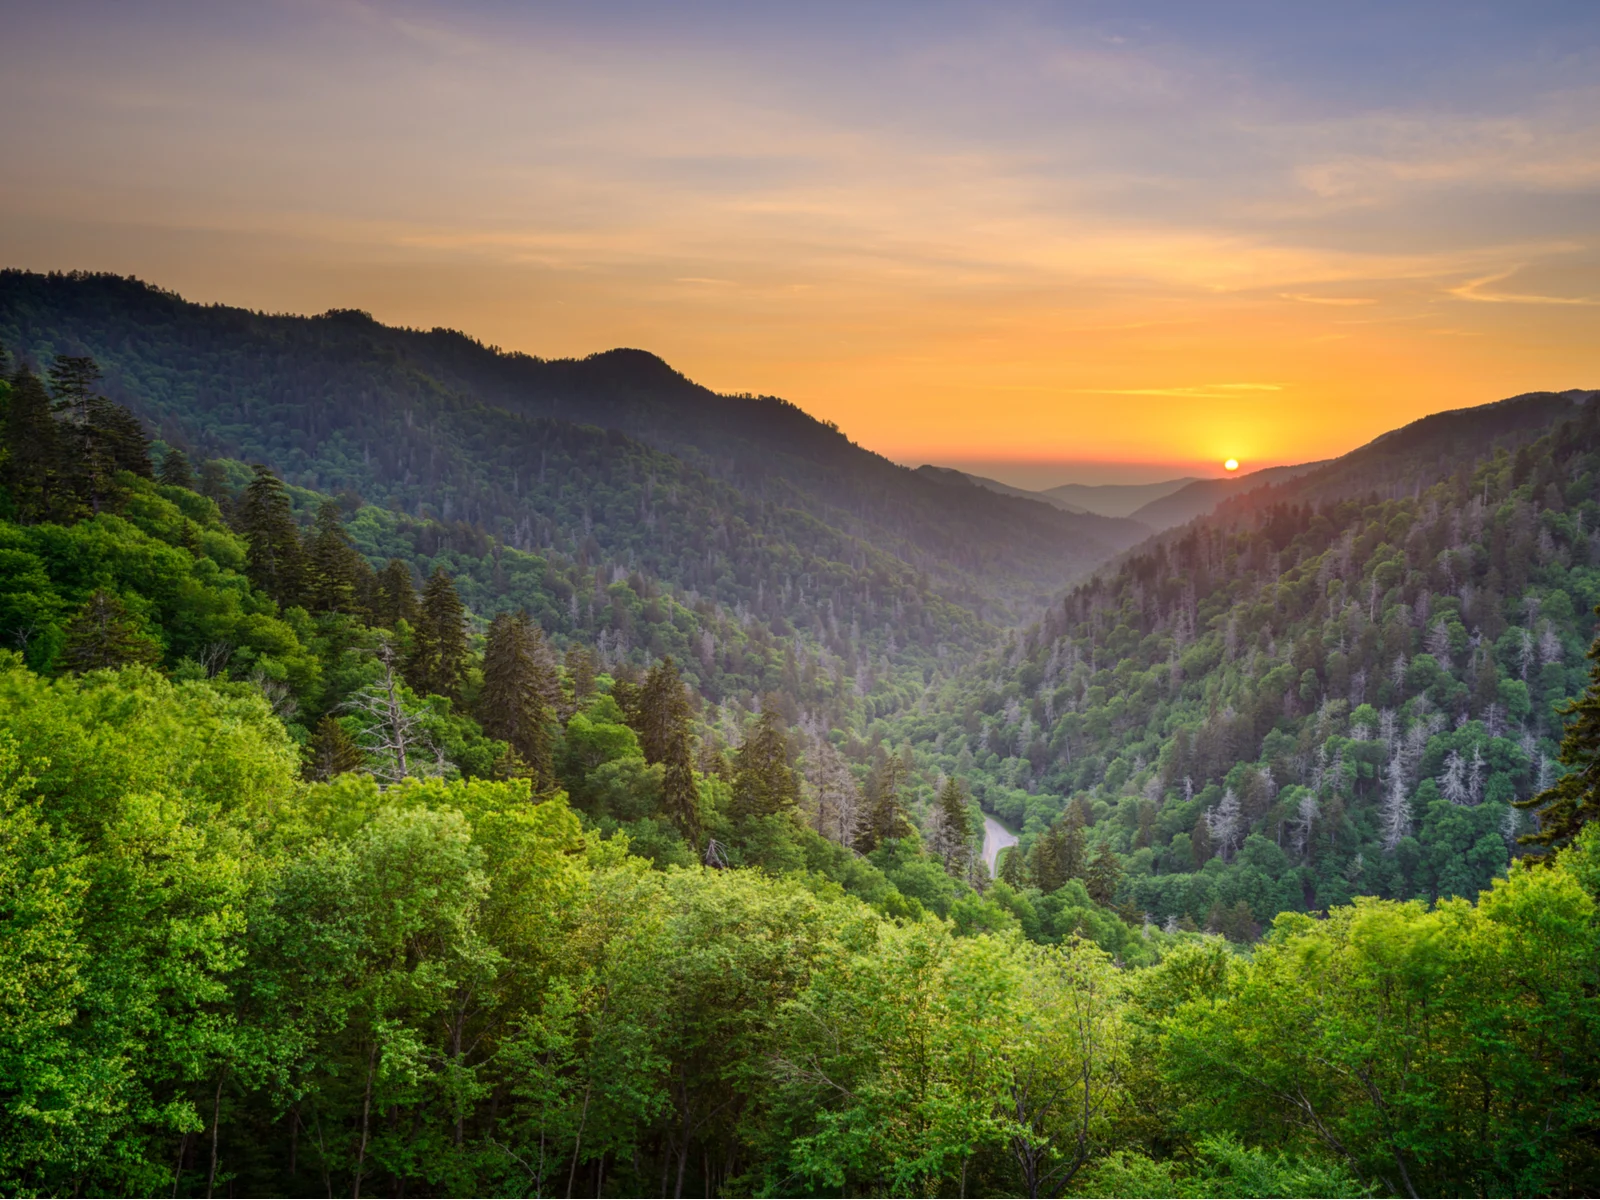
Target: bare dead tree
{"x":396,"y":741}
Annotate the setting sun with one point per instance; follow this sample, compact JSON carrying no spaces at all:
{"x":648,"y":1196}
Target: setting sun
{"x":1231,"y":465}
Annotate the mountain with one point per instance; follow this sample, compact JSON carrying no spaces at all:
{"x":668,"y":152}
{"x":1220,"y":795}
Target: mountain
{"x":1333,"y":684}
{"x":1200,"y":496}
{"x":435,"y":423}
{"x":952,"y":477}
{"x":1115,"y":499}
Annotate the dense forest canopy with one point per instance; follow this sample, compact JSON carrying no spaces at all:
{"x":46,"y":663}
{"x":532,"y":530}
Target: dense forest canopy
{"x":353,"y":841}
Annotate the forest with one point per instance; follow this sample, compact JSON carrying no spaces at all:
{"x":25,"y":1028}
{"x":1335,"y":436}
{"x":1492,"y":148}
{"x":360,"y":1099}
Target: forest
{"x":360,"y":848}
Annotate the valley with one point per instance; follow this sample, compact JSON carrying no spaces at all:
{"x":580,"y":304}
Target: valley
{"x":432,"y":769}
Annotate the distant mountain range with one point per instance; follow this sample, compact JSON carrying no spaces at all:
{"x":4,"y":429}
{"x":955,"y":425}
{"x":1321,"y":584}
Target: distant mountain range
{"x":1155,"y":506}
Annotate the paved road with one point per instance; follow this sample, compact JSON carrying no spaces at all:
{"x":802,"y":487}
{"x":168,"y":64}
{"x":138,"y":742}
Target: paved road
{"x":996,"y":837}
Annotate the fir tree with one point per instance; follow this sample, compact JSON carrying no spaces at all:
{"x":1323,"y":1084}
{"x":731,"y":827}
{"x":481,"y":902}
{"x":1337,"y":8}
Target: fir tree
{"x":1012,"y":867}
{"x":512,"y":706}
{"x":395,"y":598}
{"x":214,"y":486}
{"x":34,"y":467}
{"x":1565,"y":807}
{"x":885,"y":818}
{"x":440,"y":653}
{"x":1103,"y":874}
{"x":954,"y":841}
{"x":580,"y":677}
{"x":276,"y":560}
{"x":336,"y":574}
{"x":175,"y":470}
{"x":332,"y":751}
{"x":763,"y":781}
{"x":661,"y":719}
{"x":102,"y":635}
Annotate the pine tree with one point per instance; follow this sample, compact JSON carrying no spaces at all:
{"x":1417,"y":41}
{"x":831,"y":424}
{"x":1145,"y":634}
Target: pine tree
{"x":395,"y":596}
{"x":102,"y":437}
{"x":34,"y":470}
{"x":1012,"y":867}
{"x":276,"y":561}
{"x":1103,"y":874}
{"x":885,"y":818}
{"x":954,"y":841}
{"x":440,"y":653}
{"x":336,"y":574}
{"x":512,"y":704}
{"x":661,"y":719}
{"x":763,"y":781}
{"x":214,"y":486}
{"x":1565,"y":807}
{"x":175,"y":470}
{"x":102,"y":635}
{"x":332,"y":751}
{"x":580,"y":678}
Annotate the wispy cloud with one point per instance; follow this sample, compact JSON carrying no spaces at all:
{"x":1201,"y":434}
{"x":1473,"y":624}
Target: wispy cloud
{"x":1473,"y":290}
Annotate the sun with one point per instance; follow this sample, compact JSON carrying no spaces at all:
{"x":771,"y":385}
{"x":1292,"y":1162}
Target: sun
{"x":1231,"y":465}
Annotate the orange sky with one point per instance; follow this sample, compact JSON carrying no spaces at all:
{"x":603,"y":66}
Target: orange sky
{"x":973,"y":237}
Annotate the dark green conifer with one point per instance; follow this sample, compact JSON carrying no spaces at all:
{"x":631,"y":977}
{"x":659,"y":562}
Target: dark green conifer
{"x":332,"y":751}
{"x":1012,"y":868}
{"x":276,"y":560}
{"x":103,"y":635}
{"x":1573,"y":800}
{"x":763,"y":781}
{"x":214,"y":487}
{"x":512,"y":705}
{"x":661,"y":719}
{"x":175,"y":470}
{"x":336,"y":574}
{"x":580,"y":670}
{"x":439,"y":653}
{"x":35,"y":449}
{"x":1103,"y":874}
{"x":885,"y":817}
{"x":396,"y":596}
{"x":955,"y":832}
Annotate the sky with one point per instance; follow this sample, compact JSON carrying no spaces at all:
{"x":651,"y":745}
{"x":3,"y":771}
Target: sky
{"x":1051,"y":242}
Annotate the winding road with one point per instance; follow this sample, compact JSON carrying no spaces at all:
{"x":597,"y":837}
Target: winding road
{"x":996,"y":837}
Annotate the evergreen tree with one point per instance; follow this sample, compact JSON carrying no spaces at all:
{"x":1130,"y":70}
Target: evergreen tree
{"x":175,"y":470}
{"x":332,"y":751}
{"x":214,"y":486}
{"x":102,"y":438}
{"x":395,"y":596}
{"x":1103,"y":873}
{"x":763,"y":781}
{"x":512,"y":705}
{"x":439,"y":654}
{"x":337,"y":576}
{"x":1012,"y":867}
{"x":954,"y":843}
{"x":580,"y":675}
{"x":103,"y":635}
{"x":885,"y":817}
{"x":276,"y":560}
{"x":1564,"y":808}
{"x":34,"y":466}
{"x":661,"y":718}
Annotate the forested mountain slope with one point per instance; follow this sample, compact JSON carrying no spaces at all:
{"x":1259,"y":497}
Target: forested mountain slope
{"x":1330,"y":687}
{"x":436,"y":422}
{"x":315,"y":881}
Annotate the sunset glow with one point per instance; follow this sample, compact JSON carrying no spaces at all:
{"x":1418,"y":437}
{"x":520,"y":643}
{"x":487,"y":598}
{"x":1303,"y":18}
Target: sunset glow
{"x":1231,"y":465}
{"x":1010,"y":234}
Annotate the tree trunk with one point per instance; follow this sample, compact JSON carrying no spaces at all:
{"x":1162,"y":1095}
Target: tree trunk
{"x":366,"y":1121}
{"x":216,"y":1113}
